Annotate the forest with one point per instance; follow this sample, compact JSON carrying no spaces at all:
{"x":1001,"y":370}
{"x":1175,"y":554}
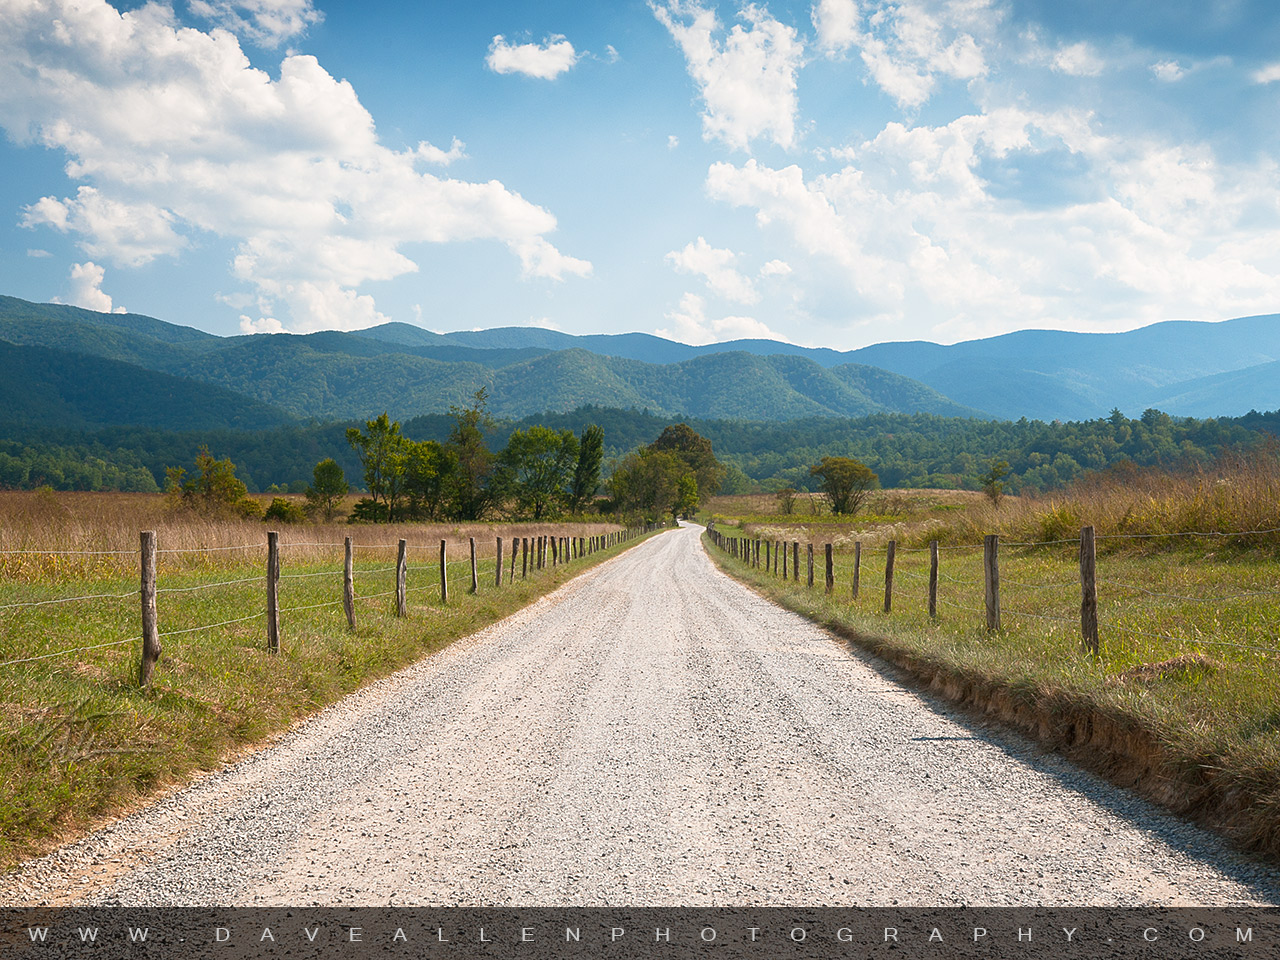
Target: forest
{"x":905,"y":450}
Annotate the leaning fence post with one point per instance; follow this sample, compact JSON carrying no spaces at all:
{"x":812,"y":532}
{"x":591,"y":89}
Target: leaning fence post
{"x":150,"y":619}
{"x":444,"y":580}
{"x":349,"y":584}
{"x":497,"y":576}
{"x":857,"y":566}
{"x":888,"y":576}
{"x":1089,"y":590}
{"x":402,"y":579}
{"x":273,"y":585}
{"x":475,"y":574}
{"x":933,"y":578}
{"x":831,"y":570}
{"x":515,"y":549}
{"x":809,"y":552}
{"x":991,"y":579}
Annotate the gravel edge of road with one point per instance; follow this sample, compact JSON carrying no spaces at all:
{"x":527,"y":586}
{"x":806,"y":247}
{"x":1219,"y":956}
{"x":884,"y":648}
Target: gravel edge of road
{"x":1117,"y":748}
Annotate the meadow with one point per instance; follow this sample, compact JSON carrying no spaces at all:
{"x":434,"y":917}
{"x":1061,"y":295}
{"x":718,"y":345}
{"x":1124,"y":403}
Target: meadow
{"x":81,"y":740}
{"x":1188,"y":584}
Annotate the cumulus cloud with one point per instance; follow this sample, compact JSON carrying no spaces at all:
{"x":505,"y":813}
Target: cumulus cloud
{"x":915,"y":228}
{"x":837,"y":24}
{"x":86,"y":289}
{"x":266,"y":23}
{"x":1267,"y":74}
{"x":1168,"y":71}
{"x":716,"y":266}
{"x":747,"y":79}
{"x":690,"y":324}
{"x":775,"y":268}
{"x":174,"y":134}
{"x":1077,"y":60}
{"x":906,"y":45}
{"x":545,"y":61}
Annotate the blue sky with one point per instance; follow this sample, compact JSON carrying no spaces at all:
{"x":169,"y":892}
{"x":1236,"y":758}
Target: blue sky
{"x":833,"y":172}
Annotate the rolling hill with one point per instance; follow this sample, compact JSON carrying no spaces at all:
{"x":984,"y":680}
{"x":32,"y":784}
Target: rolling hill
{"x":1185,"y":368}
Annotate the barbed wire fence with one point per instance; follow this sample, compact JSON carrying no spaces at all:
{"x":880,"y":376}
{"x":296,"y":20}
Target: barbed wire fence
{"x":431,"y":582}
{"x":1074,"y":603}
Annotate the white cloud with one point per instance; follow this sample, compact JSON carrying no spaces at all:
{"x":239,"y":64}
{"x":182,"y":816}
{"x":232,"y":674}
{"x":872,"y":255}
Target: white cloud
{"x":1168,"y":71}
{"x":672,"y":141}
{"x":716,"y":267}
{"x":39,"y":254}
{"x":1077,"y":60}
{"x":264,"y":22}
{"x":836,"y":22}
{"x":913,"y":231}
{"x":748,"y":80}
{"x":262,"y":325}
{"x":86,"y":289}
{"x":691,"y":325}
{"x":1267,"y":74}
{"x":429,"y":153}
{"x":775,"y":268}
{"x":545,"y":61}
{"x":174,"y":134}
{"x":907,"y":44}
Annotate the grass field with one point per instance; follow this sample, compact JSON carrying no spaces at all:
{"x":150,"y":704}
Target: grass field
{"x":1188,"y":608}
{"x":79,"y":739}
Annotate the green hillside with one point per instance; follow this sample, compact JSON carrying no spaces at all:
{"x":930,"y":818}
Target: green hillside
{"x":43,"y":386}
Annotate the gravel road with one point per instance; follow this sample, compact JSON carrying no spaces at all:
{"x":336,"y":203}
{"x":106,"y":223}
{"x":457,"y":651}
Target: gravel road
{"x":652,"y":734}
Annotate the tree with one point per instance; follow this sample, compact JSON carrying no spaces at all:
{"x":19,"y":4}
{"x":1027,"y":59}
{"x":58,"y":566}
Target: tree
{"x":541,"y":463}
{"x":786,"y":500}
{"x":586,"y":474}
{"x":686,"y":504}
{"x":328,"y":488}
{"x":647,"y":483}
{"x":428,"y":467}
{"x":215,"y":488}
{"x":993,"y":480}
{"x":695,"y":451}
{"x":381,"y":452}
{"x":846,"y":482}
{"x":284,"y":511}
{"x":472,"y":487}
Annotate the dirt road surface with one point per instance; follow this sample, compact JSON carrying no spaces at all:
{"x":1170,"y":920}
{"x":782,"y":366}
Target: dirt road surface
{"x":652,"y":734}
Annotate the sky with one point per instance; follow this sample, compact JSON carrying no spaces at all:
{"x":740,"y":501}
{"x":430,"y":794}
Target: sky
{"x":830,"y":172}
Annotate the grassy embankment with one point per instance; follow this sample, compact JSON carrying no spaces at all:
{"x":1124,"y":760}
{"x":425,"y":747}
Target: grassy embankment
{"x":79,"y":739}
{"x":1183,"y":700}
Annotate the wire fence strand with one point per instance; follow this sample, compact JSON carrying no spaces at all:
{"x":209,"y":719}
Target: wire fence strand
{"x":63,"y":653}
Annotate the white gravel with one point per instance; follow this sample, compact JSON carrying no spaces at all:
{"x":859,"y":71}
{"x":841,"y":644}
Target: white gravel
{"x":652,"y":734}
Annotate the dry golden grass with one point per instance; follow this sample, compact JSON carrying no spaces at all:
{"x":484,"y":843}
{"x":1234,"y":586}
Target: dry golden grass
{"x":48,"y":536}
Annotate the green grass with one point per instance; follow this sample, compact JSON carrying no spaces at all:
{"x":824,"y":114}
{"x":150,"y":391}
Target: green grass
{"x":78,"y":737}
{"x":1188,"y":639}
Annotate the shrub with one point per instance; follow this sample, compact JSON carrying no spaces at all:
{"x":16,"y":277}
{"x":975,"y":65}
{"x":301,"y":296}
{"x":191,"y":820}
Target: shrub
{"x":284,"y":511}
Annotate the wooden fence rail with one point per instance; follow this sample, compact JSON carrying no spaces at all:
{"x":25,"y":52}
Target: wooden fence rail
{"x":547,"y":552}
{"x":776,"y":562}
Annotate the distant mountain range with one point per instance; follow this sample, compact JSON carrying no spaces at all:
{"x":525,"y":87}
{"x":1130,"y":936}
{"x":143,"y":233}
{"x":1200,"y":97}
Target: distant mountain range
{"x":67,"y":365}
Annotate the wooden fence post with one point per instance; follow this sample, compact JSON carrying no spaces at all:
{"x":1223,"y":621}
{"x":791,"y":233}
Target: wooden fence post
{"x":150,"y":618}
{"x":857,"y":566}
{"x":768,"y":554}
{"x":991,"y":579}
{"x":349,"y":583}
{"x":809,"y":554}
{"x":497,"y":577}
{"x":831,"y":570}
{"x":402,"y":578}
{"x":475,"y":574}
{"x":888,"y":576}
{"x":273,"y":587}
{"x":776,"y":551}
{"x":795,"y":560}
{"x":524,"y":558}
{"x":444,"y":579}
{"x":555,"y":551}
{"x":933,"y":579}
{"x":1089,"y":590}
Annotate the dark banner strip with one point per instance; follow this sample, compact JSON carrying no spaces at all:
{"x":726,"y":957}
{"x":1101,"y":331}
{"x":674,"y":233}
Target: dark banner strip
{"x":605,"y":933}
